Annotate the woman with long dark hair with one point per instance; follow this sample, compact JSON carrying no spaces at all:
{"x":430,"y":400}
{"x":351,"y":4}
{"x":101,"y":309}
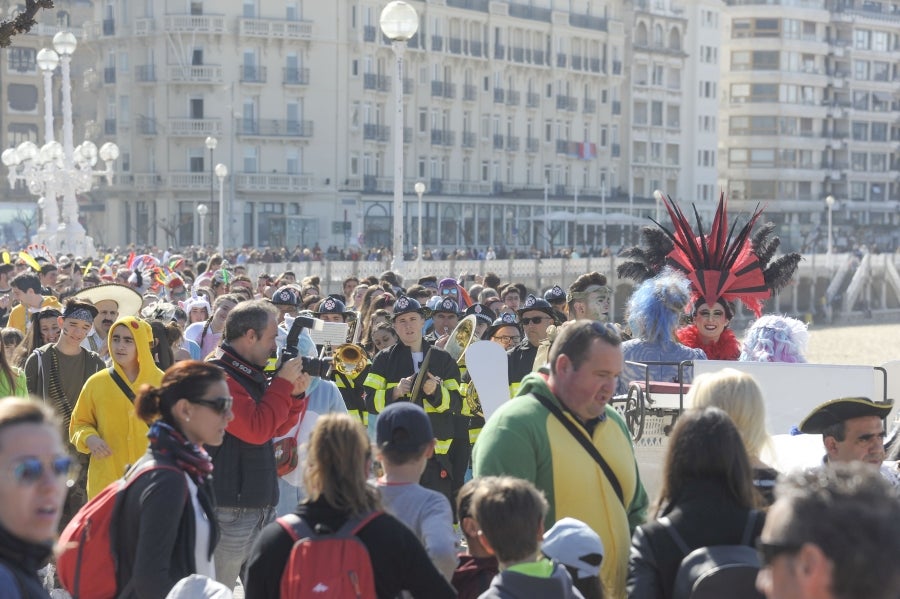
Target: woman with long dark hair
{"x":12,"y":379}
{"x":707,"y":495}
{"x":44,"y":329}
{"x":172,"y":529}
{"x":338,"y":462}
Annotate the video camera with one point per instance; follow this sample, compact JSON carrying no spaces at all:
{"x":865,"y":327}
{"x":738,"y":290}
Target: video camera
{"x":313,"y":366}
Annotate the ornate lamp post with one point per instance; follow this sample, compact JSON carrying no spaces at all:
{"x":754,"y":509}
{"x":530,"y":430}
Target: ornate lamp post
{"x":399,"y":22}
{"x":60,"y":169}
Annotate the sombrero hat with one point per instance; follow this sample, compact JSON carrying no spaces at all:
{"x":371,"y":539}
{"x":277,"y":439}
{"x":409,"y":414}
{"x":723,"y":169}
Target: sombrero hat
{"x":128,"y":300}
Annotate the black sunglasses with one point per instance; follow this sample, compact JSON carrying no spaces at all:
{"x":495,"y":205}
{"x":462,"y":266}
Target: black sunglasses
{"x":219,"y":404}
{"x":535,"y":320}
{"x":29,"y":471}
{"x":769,"y":551}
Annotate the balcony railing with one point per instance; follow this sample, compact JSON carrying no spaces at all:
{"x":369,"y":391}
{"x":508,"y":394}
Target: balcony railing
{"x":194,"y":23}
{"x":518,"y":54}
{"x":617,"y":67}
{"x":538,"y":57}
{"x":370,"y":32}
{"x":437,"y":43}
{"x":615,"y":150}
{"x":109,"y":27}
{"x":145,"y":73}
{"x":499,"y":51}
{"x":566,"y":103}
{"x":594,"y":64}
{"x":576,"y":62}
{"x":380,"y":83}
{"x":475,"y":48}
{"x":532,"y":100}
{"x":498,"y":141}
{"x":296,"y":76}
{"x":275,"y":28}
{"x":109,"y":126}
{"x":442,"y":89}
{"x":561,"y":59}
{"x":590,"y":106}
{"x":616,"y":107}
{"x":194,"y":127}
{"x":513,"y":98}
{"x":470,"y":93}
{"x":380,"y":133}
{"x":109,"y":75}
{"x":442,"y":137}
{"x":532,"y":144}
{"x":499,"y":95}
{"x":512,"y":143}
{"x":273,"y":182}
{"x":469,"y":139}
{"x":196,"y":74}
{"x":455,"y":45}
{"x":274,"y":128}
{"x":253,"y":74}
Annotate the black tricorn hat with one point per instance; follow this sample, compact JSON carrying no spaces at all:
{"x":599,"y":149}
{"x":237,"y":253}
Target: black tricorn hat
{"x":843,"y":409}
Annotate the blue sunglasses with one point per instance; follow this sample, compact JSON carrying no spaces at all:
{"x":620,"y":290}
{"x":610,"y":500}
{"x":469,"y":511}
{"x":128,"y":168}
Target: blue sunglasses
{"x":29,"y":471}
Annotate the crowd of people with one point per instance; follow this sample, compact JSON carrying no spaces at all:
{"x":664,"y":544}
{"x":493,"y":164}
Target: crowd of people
{"x":245,"y":433}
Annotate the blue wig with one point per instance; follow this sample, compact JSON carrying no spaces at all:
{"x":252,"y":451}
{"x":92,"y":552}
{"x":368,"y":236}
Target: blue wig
{"x":655,"y":307}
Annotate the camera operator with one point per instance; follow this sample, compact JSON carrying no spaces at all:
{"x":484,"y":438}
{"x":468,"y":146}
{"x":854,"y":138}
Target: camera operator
{"x":246,"y":480}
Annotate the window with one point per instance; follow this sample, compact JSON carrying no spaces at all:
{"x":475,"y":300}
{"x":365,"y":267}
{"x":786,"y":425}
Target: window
{"x":878,"y":162}
{"x":879,"y":132}
{"x":658,"y":74}
{"x":640,"y":113}
{"x":861,"y":70}
{"x":858,"y":161}
{"x":656,"y":114}
{"x":862,"y":39}
{"x":251,"y":159}
{"x":880,"y":41}
{"x":765,"y":60}
{"x":22,"y":60}
{"x":860,"y":131}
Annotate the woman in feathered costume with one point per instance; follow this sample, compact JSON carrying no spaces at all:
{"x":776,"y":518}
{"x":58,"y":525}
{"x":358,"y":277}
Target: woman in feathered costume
{"x":723,"y":267}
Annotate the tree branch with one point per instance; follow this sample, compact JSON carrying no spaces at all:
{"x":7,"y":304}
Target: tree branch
{"x":22,"y":22}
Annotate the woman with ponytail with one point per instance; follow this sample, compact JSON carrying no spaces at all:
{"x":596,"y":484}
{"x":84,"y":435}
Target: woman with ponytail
{"x":172,"y":529}
{"x":208,"y":334}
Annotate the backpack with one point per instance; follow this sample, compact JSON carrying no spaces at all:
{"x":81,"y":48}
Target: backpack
{"x":718,"y":570}
{"x":327,"y":564}
{"x":87,"y":560}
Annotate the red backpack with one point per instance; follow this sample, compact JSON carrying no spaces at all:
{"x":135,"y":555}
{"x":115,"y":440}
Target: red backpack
{"x":86,"y":562}
{"x":324,"y":564}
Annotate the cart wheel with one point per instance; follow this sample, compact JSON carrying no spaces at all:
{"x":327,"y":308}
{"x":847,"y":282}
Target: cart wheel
{"x":635,"y":408}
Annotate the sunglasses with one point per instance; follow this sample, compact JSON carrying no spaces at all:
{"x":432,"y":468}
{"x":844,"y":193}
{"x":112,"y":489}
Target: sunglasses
{"x":30,"y":471}
{"x":449,"y":291}
{"x":769,"y":551}
{"x":535,"y":320}
{"x":219,"y":404}
{"x":508,"y":338}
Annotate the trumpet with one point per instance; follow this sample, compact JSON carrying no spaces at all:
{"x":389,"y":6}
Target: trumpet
{"x":350,"y":359}
{"x":472,"y":400}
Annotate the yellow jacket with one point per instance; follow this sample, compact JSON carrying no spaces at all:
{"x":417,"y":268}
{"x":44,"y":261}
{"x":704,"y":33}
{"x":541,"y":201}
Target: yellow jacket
{"x":19,"y":317}
{"x":104,"y":410}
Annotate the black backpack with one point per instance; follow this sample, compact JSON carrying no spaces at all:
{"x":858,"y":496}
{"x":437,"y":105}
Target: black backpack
{"x":719,"y":570}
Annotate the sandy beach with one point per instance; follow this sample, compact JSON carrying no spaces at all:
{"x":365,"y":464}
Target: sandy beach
{"x":872,"y":344}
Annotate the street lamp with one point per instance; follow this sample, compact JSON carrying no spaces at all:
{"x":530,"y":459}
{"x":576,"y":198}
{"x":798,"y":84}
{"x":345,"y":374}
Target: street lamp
{"x":399,"y":22}
{"x":59,"y":169}
{"x":420,"y":189}
{"x":829,"y":202}
{"x":202,"y":211}
{"x":221,"y":173}
{"x":211,"y":143}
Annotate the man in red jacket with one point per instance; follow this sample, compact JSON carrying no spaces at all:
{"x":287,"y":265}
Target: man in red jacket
{"x":245,"y":479}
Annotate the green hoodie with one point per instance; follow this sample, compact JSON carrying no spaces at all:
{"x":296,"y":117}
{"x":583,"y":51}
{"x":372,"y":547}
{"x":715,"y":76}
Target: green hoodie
{"x":523,"y":439}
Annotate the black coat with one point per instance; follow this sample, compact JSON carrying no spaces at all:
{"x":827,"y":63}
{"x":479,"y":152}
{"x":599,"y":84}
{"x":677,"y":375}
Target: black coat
{"x":705,"y":515}
{"x":156,"y":532}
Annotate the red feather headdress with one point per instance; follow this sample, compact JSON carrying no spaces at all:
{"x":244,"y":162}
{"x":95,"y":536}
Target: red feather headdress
{"x":725,"y":263}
